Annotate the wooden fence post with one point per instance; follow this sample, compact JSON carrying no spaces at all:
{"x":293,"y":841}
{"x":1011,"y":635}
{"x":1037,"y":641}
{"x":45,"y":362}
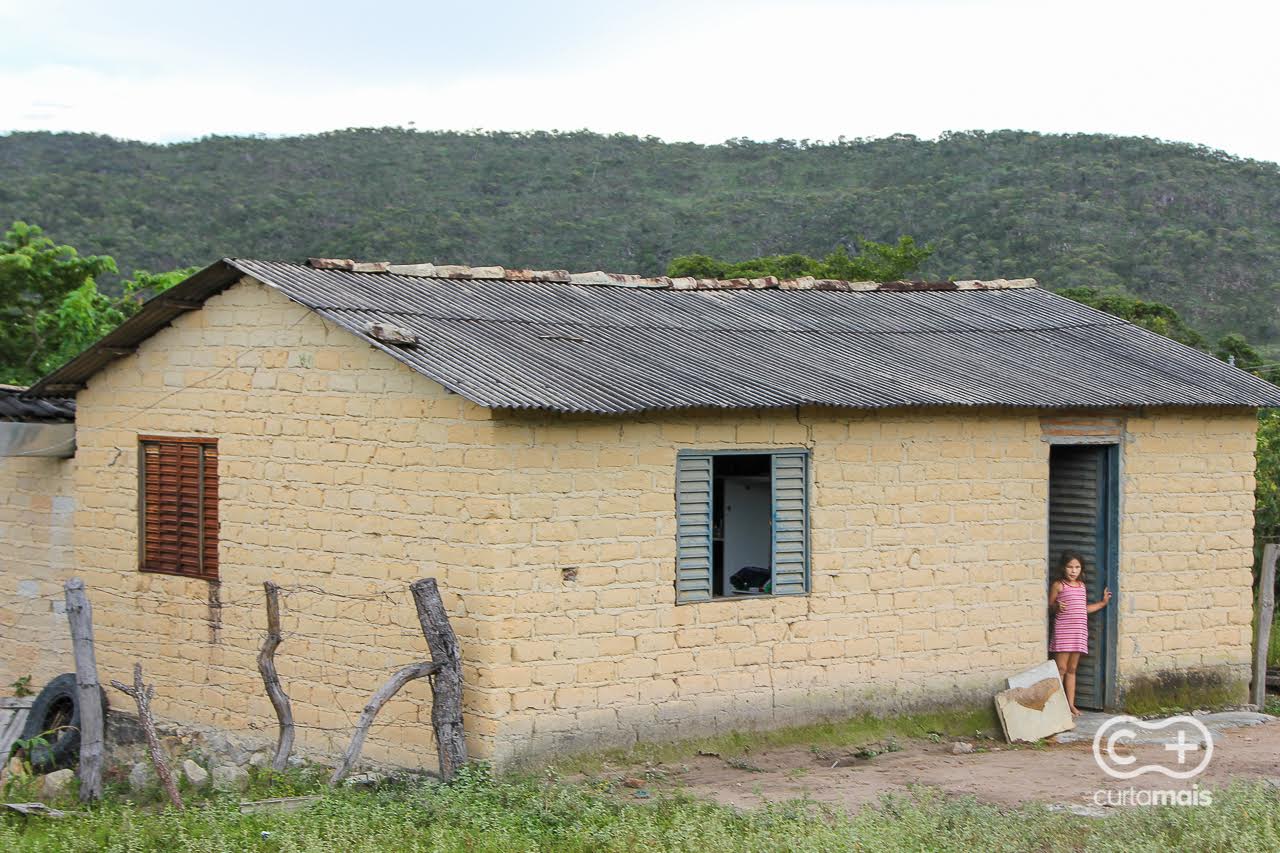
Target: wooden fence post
{"x":1266,"y":613}
{"x":88,"y":691}
{"x":271,"y":679}
{"x":446,"y":686}
{"x":383,"y":694}
{"x":142,"y":695}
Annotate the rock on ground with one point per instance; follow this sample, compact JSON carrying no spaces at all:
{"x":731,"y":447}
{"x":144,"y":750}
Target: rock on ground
{"x":370,"y":778}
{"x":227,"y":748}
{"x":229,"y":777}
{"x":141,"y":775}
{"x":194,"y":773}
{"x":54,"y":784}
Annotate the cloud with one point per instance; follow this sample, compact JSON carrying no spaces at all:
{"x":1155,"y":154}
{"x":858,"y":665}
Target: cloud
{"x":716,"y":71}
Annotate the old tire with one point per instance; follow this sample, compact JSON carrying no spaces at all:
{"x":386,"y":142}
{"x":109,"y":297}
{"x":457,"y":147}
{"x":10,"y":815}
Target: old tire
{"x":55,"y":717}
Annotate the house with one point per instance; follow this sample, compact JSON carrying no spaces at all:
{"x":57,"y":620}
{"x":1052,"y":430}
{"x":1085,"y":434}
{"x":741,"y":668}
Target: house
{"x":587,"y":463}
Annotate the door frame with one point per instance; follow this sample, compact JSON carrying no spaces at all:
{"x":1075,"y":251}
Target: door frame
{"x":1109,"y":528}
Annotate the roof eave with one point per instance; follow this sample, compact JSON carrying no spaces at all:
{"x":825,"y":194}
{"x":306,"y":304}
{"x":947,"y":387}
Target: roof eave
{"x":157,"y":313}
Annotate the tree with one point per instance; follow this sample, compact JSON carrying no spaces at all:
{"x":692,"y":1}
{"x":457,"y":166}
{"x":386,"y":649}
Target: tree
{"x":874,"y":262}
{"x":52,"y":308}
{"x":1164,"y":320}
{"x":1267,"y":495}
{"x":36,"y":276}
{"x":1236,"y":349}
{"x":1153,"y":316}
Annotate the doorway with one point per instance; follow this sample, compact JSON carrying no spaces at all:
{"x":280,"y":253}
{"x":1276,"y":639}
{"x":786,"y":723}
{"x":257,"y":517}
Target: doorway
{"x":1084,"y":516}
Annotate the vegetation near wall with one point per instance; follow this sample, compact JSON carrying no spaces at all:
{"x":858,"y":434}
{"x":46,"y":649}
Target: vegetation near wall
{"x":1181,"y":225}
{"x":51,"y":308}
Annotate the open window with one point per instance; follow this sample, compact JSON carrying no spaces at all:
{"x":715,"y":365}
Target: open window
{"x":742,"y":524}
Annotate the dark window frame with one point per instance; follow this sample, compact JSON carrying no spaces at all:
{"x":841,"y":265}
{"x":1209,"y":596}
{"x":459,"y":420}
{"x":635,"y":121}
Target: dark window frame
{"x":691,"y":586}
{"x":205,"y":501}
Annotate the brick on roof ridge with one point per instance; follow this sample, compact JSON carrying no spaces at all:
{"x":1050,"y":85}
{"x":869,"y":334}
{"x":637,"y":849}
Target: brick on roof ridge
{"x":611,"y":279}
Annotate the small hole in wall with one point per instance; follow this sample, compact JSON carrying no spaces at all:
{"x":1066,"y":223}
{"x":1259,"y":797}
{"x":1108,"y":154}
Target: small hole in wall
{"x":569,"y":575}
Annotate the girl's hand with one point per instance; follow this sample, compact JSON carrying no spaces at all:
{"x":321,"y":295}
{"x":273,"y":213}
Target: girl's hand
{"x":1106,"y":596}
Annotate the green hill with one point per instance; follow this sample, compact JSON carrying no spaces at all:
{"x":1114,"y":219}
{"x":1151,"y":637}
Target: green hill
{"x":1178,"y":224}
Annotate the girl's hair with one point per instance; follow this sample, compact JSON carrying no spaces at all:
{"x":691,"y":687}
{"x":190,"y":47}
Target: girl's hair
{"x":1067,"y":557}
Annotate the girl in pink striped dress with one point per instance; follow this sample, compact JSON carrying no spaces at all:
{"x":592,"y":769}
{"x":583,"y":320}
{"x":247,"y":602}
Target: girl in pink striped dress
{"x":1071,"y":607}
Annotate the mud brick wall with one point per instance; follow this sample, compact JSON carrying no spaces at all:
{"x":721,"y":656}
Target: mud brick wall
{"x":345,"y":476}
{"x":1186,"y":544}
{"x":338,"y":480}
{"x":928,"y":578}
{"x":37,"y":507}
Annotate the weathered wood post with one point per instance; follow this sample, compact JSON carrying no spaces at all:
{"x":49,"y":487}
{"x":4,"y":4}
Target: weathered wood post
{"x":88,"y":690}
{"x":446,"y":686}
{"x":1266,"y":613}
{"x":142,"y":695}
{"x":271,"y":679}
{"x":383,"y":694}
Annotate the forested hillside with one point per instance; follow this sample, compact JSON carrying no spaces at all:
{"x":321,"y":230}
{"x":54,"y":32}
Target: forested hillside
{"x":1182,"y":225}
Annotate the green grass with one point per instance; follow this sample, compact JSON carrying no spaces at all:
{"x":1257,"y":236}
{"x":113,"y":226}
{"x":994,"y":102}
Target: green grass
{"x":1172,"y":691}
{"x":1273,"y":650}
{"x":480,"y":814}
{"x":851,"y":733}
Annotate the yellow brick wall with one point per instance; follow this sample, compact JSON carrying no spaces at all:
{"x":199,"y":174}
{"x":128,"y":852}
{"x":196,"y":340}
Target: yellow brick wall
{"x":338,"y":481}
{"x":928,"y":577}
{"x":929,"y":571}
{"x":37,"y":504}
{"x":1187,"y":543}
{"x":553,"y":538}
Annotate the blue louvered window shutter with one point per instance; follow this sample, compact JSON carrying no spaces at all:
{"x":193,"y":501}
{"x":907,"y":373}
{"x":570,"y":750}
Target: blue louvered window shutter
{"x":693,"y":528}
{"x":790,"y":523}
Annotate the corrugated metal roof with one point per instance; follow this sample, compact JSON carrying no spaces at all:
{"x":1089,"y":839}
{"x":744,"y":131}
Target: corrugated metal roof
{"x":537,"y":344}
{"x":44,"y":410}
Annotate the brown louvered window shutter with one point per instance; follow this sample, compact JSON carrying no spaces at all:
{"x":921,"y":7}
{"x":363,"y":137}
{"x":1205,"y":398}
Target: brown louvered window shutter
{"x":179,"y":505}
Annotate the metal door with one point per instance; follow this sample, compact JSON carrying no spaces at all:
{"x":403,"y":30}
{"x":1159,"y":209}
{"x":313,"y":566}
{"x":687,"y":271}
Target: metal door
{"x":1083,"y":517}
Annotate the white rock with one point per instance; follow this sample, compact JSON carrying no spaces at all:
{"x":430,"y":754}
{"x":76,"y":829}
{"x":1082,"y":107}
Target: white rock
{"x":370,"y":778}
{"x":259,"y":759}
{"x":54,"y":784}
{"x":141,"y":775}
{"x":194,"y":773}
{"x":229,"y":777}
{"x":959,"y":748}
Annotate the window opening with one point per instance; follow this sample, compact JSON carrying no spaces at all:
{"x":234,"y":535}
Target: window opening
{"x":742,"y":525}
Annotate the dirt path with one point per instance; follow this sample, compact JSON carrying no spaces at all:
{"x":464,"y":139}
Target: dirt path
{"x":1052,"y":774}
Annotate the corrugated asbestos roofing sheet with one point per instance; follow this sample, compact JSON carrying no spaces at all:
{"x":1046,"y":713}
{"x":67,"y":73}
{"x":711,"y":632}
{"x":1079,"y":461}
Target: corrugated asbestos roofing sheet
{"x":14,"y":407}
{"x":613,"y":349}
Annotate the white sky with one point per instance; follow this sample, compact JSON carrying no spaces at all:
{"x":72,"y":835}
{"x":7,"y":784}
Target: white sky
{"x":1203,"y":72}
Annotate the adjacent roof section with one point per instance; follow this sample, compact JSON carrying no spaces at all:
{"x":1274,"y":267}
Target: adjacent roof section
{"x":605,"y":343}
{"x":41,"y":410}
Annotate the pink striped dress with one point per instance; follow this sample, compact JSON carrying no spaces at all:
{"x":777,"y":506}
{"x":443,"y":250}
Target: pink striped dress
{"x":1071,"y":627}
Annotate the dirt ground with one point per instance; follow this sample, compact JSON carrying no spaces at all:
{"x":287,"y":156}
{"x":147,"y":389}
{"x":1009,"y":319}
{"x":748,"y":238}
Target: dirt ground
{"x":1054,"y":773}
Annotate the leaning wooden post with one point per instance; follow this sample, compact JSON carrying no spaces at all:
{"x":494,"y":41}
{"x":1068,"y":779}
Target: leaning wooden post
{"x":384,"y":693}
{"x":446,"y":686}
{"x":142,"y":695}
{"x":1266,"y":613}
{"x":88,"y":691}
{"x":270,"y":678}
